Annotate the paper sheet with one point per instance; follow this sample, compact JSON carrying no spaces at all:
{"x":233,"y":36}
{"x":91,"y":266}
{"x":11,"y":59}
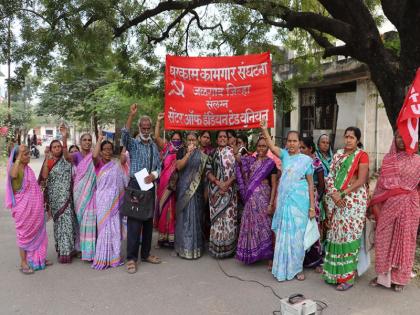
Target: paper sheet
{"x":140,"y":176}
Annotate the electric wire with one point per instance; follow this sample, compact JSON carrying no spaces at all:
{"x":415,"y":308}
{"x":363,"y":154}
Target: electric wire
{"x":321,"y":306}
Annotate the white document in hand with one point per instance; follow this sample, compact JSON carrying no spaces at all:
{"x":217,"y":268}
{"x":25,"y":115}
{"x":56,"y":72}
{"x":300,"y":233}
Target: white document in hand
{"x":140,"y":176}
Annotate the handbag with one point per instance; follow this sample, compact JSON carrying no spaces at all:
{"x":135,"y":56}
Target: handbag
{"x":139,"y":204}
{"x":311,"y":234}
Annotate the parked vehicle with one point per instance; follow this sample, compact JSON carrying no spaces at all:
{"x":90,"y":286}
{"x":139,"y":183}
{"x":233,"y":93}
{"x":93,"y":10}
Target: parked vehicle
{"x":34,"y":151}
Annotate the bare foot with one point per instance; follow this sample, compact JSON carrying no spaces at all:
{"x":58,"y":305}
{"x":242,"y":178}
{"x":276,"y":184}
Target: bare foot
{"x":300,"y":276}
{"x":318,"y":269}
{"x":270,"y":265}
{"x":373,"y":282}
{"x":399,"y":288}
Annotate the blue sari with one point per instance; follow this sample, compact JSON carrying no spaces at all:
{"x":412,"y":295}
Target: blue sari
{"x":291,"y":216}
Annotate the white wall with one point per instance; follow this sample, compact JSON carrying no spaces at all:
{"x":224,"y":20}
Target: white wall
{"x":294,"y":115}
{"x":364,"y":109}
{"x":378,"y":132}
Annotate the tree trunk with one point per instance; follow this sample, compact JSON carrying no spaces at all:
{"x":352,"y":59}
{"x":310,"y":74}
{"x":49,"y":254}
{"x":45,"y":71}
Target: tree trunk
{"x":95,"y":125}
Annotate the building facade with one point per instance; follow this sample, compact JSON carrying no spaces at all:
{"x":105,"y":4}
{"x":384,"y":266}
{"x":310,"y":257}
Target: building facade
{"x":344,"y":96}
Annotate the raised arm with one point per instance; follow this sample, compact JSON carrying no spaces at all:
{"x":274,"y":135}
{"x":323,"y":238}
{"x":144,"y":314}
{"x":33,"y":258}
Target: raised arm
{"x":180,"y":164}
{"x":45,"y":170}
{"x":159,"y":140}
{"x":15,"y":168}
{"x":125,"y":132}
{"x":275,"y":149}
{"x":131,"y":115}
{"x":64,"y":134}
{"x":123,"y":156}
{"x":97,"y":152}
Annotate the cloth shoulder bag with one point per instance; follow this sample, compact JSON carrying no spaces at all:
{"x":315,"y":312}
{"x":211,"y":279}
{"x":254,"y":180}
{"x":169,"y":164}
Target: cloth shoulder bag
{"x":311,"y":234}
{"x":139,"y":204}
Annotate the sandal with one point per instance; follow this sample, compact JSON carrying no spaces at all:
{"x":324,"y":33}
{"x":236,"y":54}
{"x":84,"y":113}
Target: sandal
{"x":398,"y":288}
{"x":152,"y":259}
{"x":318,"y":269}
{"x":48,"y":263}
{"x":270,"y":265}
{"x":26,"y":270}
{"x":300,"y":276}
{"x":344,"y":286}
{"x":374,"y":282}
{"x":131,"y":267}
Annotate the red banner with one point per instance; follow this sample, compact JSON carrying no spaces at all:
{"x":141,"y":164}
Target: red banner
{"x":204,"y":93}
{"x":408,"y":119}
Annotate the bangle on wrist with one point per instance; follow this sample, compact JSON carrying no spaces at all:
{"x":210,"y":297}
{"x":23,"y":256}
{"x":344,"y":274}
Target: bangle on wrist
{"x":17,"y":161}
{"x":342,"y":194}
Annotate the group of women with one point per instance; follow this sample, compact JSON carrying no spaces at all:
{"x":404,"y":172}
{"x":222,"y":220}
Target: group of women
{"x":254,"y":206}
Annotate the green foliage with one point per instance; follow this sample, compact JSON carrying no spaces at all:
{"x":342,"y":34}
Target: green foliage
{"x":283,"y":98}
{"x":392,"y":42}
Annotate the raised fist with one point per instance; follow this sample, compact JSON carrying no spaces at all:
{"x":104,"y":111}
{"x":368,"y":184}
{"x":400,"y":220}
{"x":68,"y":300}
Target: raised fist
{"x":133,"y":109}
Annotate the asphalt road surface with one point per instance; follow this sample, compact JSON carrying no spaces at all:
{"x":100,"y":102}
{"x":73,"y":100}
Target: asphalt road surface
{"x":176,"y":286}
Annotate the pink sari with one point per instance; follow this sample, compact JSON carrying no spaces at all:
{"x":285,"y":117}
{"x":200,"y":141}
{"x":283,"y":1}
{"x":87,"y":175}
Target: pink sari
{"x":27,"y":207}
{"x":165,"y":213}
{"x":397,"y":195}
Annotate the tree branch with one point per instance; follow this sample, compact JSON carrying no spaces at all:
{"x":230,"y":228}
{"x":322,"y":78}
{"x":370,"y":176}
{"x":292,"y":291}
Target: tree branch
{"x":337,"y":51}
{"x":165,"y":34}
{"x":160,"y":8}
{"x":203,"y":28}
{"x":92,"y":19}
{"x":393,"y":10}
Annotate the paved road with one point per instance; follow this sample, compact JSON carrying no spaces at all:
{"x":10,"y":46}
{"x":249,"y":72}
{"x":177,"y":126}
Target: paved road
{"x":176,"y":286}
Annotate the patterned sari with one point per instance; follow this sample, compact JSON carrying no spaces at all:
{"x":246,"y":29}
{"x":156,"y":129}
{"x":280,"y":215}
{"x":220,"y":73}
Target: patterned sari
{"x":291,"y":216}
{"x":165,"y":214}
{"x":27,"y":205}
{"x":255,"y":237}
{"x":84,"y":203}
{"x":110,"y":185}
{"x":223,"y":206}
{"x":189,"y":207}
{"x":346,"y":224}
{"x":397,"y":195}
{"x":60,"y":201}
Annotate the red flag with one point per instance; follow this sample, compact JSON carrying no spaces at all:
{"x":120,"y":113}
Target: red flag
{"x":232,"y":92}
{"x":408,"y":119}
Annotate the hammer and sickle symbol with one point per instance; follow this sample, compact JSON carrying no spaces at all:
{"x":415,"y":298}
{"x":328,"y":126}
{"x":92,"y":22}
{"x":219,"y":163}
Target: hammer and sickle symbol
{"x":178,"y":89}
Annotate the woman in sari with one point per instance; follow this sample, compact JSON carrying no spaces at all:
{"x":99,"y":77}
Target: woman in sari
{"x":324,"y":152}
{"x":206,"y":148}
{"x":110,"y":184}
{"x":295,"y":205}
{"x":346,"y":200}
{"x":396,"y":206}
{"x":205,"y":143}
{"x":165,"y":213}
{"x":257,"y":182}
{"x":59,"y":194}
{"x":313,"y":257}
{"x":191,"y":165}
{"x":222,"y":199}
{"x":84,"y":188}
{"x":24,"y":197}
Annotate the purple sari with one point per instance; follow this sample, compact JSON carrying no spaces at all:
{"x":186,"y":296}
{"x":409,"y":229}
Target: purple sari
{"x":110,"y":185}
{"x":255,"y":237}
